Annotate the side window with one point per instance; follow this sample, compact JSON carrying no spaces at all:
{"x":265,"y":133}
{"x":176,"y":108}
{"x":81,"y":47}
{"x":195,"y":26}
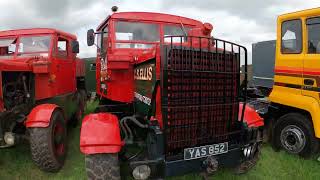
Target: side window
{"x":7,"y":47}
{"x":103,"y":34}
{"x":313,"y":27}
{"x":62,"y":48}
{"x":98,"y":40}
{"x":291,"y":37}
{"x":105,"y":38}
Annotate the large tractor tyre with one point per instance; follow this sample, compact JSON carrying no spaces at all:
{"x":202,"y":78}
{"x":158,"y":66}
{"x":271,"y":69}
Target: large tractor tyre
{"x":250,"y":162}
{"x":49,"y":145}
{"x":102,"y":167}
{"x":294,"y":133}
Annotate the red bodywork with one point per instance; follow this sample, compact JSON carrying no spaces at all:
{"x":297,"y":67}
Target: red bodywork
{"x":100,"y":133}
{"x":40,"y":116}
{"x":54,"y":75}
{"x":120,"y":83}
{"x":251,"y":117}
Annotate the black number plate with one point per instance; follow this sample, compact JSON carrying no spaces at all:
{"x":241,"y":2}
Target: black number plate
{"x":204,"y":151}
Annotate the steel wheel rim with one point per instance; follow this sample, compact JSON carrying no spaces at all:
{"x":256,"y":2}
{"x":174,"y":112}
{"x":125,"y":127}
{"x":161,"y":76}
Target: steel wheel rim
{"x":293,"y":139}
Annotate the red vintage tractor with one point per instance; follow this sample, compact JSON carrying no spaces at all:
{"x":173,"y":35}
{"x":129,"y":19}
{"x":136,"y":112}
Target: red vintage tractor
{"x":41,"y":91}
{"x":171,"y":100}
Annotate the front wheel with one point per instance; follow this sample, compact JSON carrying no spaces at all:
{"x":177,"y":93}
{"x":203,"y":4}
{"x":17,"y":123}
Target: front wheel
{"x":294,"y":133}
{"x":102,"y":167}
{"x":49,"y":145}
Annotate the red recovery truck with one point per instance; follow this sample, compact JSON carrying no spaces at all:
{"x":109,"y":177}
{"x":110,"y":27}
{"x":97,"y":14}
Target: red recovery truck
{"x":41,"y":89}
{"x":171,"y":101}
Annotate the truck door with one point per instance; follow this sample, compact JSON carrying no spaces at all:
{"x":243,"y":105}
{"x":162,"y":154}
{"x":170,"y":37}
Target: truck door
{"x":311,"y":69}
{"x":65,"y":67}
{"x":289,"y":57}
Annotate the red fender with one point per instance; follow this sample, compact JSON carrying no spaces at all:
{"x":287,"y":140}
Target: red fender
{"x":251,"y":117}
{"x":40,"y":116}
{"x":100,"y":133}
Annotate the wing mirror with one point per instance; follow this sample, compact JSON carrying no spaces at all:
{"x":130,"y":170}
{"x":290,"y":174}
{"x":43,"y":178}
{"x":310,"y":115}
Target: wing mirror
{"x":90,"y":37}
{"x":75,"y":47}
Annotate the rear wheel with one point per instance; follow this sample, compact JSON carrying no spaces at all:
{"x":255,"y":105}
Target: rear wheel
{"x":49,"y":145}
{"x":102,"y":167}
{"x":294,"y":133}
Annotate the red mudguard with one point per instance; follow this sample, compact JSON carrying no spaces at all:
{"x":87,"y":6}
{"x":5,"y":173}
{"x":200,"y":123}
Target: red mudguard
{"x":251,"y":117}
{"x":40,"y":115}
{"x":100,"y":133}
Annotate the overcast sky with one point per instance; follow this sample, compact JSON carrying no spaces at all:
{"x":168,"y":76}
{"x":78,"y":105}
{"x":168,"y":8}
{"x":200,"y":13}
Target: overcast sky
{"x":244,"y":22}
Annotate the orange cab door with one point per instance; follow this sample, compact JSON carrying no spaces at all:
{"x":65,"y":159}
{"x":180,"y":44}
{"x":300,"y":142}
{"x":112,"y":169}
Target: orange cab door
{"x":289,"y":57}
{"x":65,"y":67}
{"x":311,"y":69}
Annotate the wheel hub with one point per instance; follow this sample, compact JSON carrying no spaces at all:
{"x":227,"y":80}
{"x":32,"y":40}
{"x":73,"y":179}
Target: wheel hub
{"x":293,"y":139}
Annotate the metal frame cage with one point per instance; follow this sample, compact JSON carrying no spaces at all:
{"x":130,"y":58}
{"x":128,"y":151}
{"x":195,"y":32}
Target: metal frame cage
{"x":201,"y":91}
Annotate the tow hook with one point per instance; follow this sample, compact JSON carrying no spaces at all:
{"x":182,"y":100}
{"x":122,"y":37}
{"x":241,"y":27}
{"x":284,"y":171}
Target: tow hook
{"x":211,"y":165}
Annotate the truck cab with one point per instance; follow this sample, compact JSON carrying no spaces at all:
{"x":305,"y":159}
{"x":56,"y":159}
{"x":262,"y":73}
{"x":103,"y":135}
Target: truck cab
{"x":48,"y":53}
{"x":295,"y":94}
{"x":41,"y":91}
{"x":124,"y":36}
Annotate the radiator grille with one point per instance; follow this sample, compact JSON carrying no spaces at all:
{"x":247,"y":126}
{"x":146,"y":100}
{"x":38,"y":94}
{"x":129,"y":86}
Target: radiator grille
{"x":200,"y":93}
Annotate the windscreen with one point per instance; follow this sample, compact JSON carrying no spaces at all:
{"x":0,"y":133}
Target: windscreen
{"x":136,"y":32}
{"x":34,"y":44}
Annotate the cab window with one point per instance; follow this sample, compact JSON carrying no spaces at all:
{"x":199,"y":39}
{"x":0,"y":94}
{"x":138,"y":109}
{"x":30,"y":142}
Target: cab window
{"x":62,"y":47}
{"x":105,"y":38}
{"x":291,"y":37}
{"x":313,"y":27}
{"x":7,"y":47}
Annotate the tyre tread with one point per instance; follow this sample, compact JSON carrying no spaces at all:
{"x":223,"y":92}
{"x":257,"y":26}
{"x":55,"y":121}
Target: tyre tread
{"x":102,"y":167}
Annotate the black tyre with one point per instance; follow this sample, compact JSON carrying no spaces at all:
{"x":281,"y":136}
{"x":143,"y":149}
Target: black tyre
{"x":49,"y":145}
{"x":102,"y":167}
{"x":294,"y":133}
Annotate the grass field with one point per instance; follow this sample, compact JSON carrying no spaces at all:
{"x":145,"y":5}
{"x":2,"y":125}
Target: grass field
{"x":16,"y":163}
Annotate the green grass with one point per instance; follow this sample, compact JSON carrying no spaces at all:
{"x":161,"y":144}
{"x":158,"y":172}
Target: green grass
{"x":16,"y":163}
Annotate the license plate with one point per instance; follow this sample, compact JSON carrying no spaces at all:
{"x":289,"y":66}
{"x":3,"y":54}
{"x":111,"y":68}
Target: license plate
{"x":204,"y":151}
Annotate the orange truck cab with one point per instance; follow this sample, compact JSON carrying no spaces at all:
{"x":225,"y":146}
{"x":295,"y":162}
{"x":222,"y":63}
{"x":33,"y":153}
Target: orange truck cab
{"x":294,"y":110}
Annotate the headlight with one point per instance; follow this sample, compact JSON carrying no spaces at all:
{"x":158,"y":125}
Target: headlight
{"x":9,"y":138}
{"x":141,"y":172}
